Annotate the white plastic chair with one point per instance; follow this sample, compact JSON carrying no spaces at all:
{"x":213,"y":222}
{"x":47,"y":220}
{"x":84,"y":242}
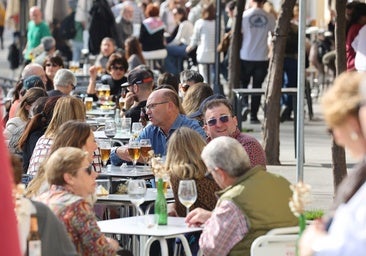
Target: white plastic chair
{"x":294,"y":230}
{"x":279,"y":245}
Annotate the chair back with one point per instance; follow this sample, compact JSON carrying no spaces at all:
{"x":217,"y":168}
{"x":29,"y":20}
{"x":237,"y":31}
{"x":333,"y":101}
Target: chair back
{"x":279,"y":245}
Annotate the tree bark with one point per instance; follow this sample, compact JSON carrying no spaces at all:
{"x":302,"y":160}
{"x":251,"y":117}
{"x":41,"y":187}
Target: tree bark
{"x":234,"y":49}
{"x":271,"y":124}
{"x":338,"y":154}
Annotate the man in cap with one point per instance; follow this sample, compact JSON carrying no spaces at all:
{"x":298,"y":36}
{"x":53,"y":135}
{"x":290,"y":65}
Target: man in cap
{"x":140,"y":85}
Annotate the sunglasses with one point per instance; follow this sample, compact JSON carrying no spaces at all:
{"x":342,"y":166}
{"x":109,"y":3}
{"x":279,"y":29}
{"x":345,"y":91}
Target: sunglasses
{"x":213,"y":121}
{"x":117,"y":68}
{"x":51,"y":65}
{"x":185,"y":87}
{"x":89,"y":169}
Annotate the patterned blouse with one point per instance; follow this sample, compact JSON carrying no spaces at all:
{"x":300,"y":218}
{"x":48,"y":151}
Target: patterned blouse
{"x":40,"y":153}
{"x":79,"y":219}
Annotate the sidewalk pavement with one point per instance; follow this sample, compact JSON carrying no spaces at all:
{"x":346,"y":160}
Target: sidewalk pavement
{"x":317,"y":166}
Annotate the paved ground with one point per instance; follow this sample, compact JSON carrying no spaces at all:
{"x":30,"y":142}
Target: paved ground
{"x":317,"y":166}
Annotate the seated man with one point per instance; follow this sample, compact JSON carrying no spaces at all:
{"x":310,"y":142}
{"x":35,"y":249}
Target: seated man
{"x":163,"y":110}
{"x":220,"y":121}
{"x":140,"y":85}
{"x":252,"y":201}
{"x":64,"y":82}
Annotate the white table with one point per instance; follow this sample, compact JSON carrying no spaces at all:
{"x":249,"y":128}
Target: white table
{"x":100,"y":112}
{"x":139,"y":226}
{"x":127,"y":172}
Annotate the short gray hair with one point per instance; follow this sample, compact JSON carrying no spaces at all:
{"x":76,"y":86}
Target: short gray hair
{"x":64,"y":77}
{"x":227,"y":154}
{"x":48,"y":43}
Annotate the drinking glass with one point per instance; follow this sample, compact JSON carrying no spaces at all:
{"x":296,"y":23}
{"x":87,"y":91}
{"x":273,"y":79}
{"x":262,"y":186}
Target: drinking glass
{"x":137,"y":190}
{"x":105,"y":151}
{"x":134,"y":151}
{"x":136,"y":128}
{"x":121,"y":103}
{"x":145,"y":146}
{"x":103,"y":91}
{"x":110,"y":129}
{"x":187,"y":193}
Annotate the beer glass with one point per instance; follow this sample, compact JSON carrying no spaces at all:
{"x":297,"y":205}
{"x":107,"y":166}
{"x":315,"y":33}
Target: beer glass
{"x":134,"y":152}
{"x":105,"y":151}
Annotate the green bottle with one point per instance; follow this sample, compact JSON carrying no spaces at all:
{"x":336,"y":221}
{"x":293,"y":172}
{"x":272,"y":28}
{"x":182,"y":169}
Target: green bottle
{"x":161,"y":212}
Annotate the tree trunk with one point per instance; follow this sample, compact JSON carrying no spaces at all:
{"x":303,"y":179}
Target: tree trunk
{"x":271,"y":125}
{"x":338,"y":154}
{"x":234,"y":49}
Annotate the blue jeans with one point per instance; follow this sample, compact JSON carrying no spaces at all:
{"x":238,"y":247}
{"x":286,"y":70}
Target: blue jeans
{"x":289,"y":80}
{"x":174,"y":61}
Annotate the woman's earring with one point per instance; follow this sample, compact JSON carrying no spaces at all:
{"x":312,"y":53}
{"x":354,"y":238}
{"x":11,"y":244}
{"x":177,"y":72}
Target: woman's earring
{"x":354,"y":136}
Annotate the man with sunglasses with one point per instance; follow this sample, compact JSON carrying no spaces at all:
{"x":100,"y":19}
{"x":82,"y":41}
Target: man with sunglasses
{"x":163,"y":110}
{"x":219,"y":120}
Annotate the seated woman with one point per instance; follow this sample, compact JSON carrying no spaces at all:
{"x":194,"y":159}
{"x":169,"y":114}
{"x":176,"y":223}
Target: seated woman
{"x":72,"y":180}
{"x":133,"y":52}
{"x":70,"y":134}
{"x":187,"y":164}
{"x":117,"y":67}
{"x":54,"y":238}
{"x":343,"y":232}
{"x":184,"y":161}
{"x":152,"y":35}
{"x":50,"y":65}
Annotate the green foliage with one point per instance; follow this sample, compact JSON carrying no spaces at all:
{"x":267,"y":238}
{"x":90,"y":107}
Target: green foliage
{"x":314,"y":214}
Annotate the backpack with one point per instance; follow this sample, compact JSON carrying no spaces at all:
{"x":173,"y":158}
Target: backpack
{"x":67,"y":27}
{"x":14,"y":56}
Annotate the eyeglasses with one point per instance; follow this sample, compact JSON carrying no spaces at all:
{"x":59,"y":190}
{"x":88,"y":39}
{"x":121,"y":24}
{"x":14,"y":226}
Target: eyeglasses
{"x":51,"y":65}
{"x":89,"y":169}
{"x":117,"y":68}
{"x":213,"y":121}
{"x":153,"y":105}
{"x":209,"y":172}
{"x":185,"y":87}
{"x":73,"y":86}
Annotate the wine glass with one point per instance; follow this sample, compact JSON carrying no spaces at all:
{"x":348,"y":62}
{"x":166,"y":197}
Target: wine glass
{"x":136,"y":128}
{"x":134,"y":151}
{"x":110,"y":129}
{"x":137,"y":190}
{"x":145,"y":146}
{"x":187,"y":193}
{"x":105,"y":150}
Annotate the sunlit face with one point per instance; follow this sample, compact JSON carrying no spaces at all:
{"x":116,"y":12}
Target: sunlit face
{"x":117,"y":71}
{"x":107,"y":47}
{"x":35,"y":14}
{"x":157,"y":108}
{"x":90,"y":146}
{"x":128,"y":13}
{"x":83,"y":184}
{"x":51,"y":69}
{"x":349,"y":136}
{"x":220,"y":128}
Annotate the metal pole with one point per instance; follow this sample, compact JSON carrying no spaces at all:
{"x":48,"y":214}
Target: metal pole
{"x":300,"y":93}
{"x":217,"y":86}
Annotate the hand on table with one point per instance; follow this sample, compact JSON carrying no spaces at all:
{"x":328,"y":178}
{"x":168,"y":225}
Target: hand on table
{"x":197,"y":217}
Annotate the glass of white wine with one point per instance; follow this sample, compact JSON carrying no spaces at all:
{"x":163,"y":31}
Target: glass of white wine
{"x":136,"y":191}
{"x":187,"y":193}
{"x":110,"y":129}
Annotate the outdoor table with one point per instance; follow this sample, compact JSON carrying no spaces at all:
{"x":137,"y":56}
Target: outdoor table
{"x":123,"y":137}
{"x":142,"y":226}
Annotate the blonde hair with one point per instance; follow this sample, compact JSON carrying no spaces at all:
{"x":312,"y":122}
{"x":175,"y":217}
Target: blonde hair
{"x":183,"y":154}
{"x":194,"y":97}
{"x":63,"y":160}
{"x":343,"y":98}
{"x":67,"y":108}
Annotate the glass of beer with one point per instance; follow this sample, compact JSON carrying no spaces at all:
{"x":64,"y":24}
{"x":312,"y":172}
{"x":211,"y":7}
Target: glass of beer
{"x":145,"y":146}
{"x":121,"y":103}
{"x":88,"y":103}
{"x":74,"y":66}
{"x":105,"y":151}
{"x":134,"y":150}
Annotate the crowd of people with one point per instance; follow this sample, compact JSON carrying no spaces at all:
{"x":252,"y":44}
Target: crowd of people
{"x":193,"y":128}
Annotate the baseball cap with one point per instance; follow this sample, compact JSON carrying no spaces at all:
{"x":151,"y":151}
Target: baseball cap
{"x":138,"y":76}
{"x":199,"y":112}
{"x":32,"y":81}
